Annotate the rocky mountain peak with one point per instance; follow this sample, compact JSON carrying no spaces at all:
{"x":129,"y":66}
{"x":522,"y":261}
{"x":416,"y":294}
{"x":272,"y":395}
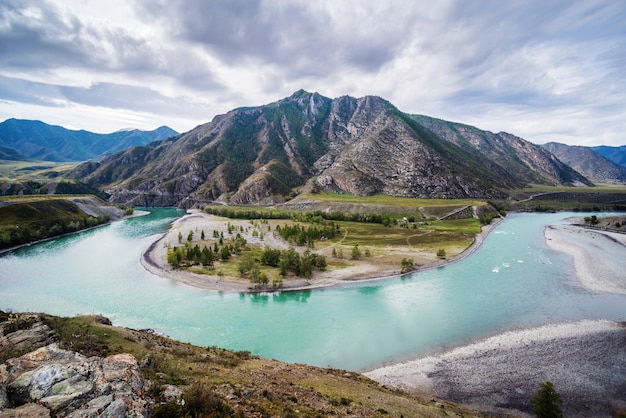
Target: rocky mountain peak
{"x":349,"y":145}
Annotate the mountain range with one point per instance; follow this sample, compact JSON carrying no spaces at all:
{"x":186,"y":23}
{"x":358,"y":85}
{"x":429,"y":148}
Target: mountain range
{"x":590,"y":163}
{"x":35,"y":140}
{"x":307,"y":142}
{"x":615,"y":154}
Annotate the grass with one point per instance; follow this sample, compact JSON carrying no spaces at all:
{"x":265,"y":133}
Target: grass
{"x":32,"y":218}
{"x":386,"y":200}
{"x":38,"y":211}
{"x":379,"y":245}
{"x":33,"y":197}
{"x":226,"y":383}
{"x":31,"y":170}
{"x":600,"y":188}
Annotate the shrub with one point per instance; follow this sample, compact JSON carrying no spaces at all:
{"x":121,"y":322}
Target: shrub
{"x":201,"y":402}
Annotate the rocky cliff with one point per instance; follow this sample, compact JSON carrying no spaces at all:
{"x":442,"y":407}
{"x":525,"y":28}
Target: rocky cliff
{"x":365,"y":146}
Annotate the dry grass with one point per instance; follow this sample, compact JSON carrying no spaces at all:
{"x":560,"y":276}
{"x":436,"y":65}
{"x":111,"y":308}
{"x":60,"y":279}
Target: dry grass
{"x":247,"y":385}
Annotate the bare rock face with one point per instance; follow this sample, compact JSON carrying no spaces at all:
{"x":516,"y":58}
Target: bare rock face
{"x":68,"y":384}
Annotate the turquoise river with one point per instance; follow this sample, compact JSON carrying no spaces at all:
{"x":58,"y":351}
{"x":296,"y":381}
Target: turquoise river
{"x":513,"y":281}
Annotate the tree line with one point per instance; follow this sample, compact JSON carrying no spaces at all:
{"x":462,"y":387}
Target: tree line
{"x":24,"y":234}
{"x":315,"y":216}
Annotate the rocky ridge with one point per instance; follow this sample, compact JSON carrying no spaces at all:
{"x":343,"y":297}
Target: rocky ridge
{"x":51,"y":381}
{"x":307,"y":142}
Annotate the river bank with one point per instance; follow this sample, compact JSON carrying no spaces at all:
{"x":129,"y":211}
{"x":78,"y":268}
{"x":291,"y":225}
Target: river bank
{"x":585,"y":360}
{"x":154,"y":258}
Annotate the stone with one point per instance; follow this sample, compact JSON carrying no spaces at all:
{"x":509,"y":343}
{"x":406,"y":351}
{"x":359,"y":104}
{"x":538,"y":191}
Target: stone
{"x":66,"y":383}
{"x":171,"y":393}
{"x":29,"y":410}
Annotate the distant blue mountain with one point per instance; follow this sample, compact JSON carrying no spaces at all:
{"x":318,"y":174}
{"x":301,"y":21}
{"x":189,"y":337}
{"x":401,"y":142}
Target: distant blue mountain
{"x":36,"y":140}
{"x":615,"y":154}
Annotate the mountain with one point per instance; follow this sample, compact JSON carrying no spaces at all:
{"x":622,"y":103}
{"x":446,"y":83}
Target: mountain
{"x":588,"y":162}
{"x":615,"y":154}
{"x":365,"y":146}
{"x":524,"y":160}
{"x":36,"y":140}
{"x":10,"y":154}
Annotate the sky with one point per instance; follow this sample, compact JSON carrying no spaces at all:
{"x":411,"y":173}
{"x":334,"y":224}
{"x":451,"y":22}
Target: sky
{"x":544,"y":70}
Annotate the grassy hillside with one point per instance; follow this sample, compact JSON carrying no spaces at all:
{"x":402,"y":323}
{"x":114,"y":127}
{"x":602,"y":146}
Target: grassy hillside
{"x":217,"y":382}
{"x":31,"y":218}
{"x":544,"y":199}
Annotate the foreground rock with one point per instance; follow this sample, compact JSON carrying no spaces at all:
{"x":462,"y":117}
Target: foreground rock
{"x":69,"y":384}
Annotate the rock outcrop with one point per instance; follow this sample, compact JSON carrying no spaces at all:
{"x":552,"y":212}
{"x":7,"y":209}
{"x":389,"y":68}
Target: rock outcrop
{"x":51,"y":381}
{"x":69,"y":384}
{"x":589,"y":163}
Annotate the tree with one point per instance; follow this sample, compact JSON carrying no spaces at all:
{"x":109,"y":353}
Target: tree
{"x":441,"y":253}
{"x":225,"y":253}
{"x":356,"y":253}
{"x":270,"y":257}
{"x":547,"y":402}
{"x":174,"y":256}
{"x":407,"y":265}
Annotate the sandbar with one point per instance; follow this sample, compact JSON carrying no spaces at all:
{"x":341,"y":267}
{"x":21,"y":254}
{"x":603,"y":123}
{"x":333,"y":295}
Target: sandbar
{"x":599,"y":256}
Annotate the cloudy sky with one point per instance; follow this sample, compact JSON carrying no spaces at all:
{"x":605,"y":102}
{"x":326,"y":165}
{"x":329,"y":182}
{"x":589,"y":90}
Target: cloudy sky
{"x":545,"y":70}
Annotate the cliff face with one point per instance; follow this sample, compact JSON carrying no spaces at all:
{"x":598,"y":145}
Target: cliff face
{"x":361,"y":146}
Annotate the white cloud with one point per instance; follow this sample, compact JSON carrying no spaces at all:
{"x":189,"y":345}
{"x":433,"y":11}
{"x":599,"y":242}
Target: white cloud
{"x":541,"y":70}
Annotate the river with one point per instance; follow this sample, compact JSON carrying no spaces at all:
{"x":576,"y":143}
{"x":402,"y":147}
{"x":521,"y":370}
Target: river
{"x":513,"y":281}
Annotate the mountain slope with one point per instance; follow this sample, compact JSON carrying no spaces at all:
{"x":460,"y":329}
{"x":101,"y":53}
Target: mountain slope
{"x":588,"y":162}
{"x":37,"y":140}
{"x":361,"y":146}
{"x":615,"y":154}
{"x":526,"y":161}
{"x":10,"y":154}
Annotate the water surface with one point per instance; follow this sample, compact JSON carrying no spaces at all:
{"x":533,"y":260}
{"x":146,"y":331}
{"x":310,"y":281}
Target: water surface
{"x":512,"y":281}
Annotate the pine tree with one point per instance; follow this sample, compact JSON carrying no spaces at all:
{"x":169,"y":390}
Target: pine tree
{"x":547,"y":402}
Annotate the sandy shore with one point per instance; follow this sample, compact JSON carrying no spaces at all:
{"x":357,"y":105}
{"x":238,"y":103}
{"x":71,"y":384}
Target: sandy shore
{"x":585,"y":360}
{"x":154,"y":259}
{"x":599,"y":256}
